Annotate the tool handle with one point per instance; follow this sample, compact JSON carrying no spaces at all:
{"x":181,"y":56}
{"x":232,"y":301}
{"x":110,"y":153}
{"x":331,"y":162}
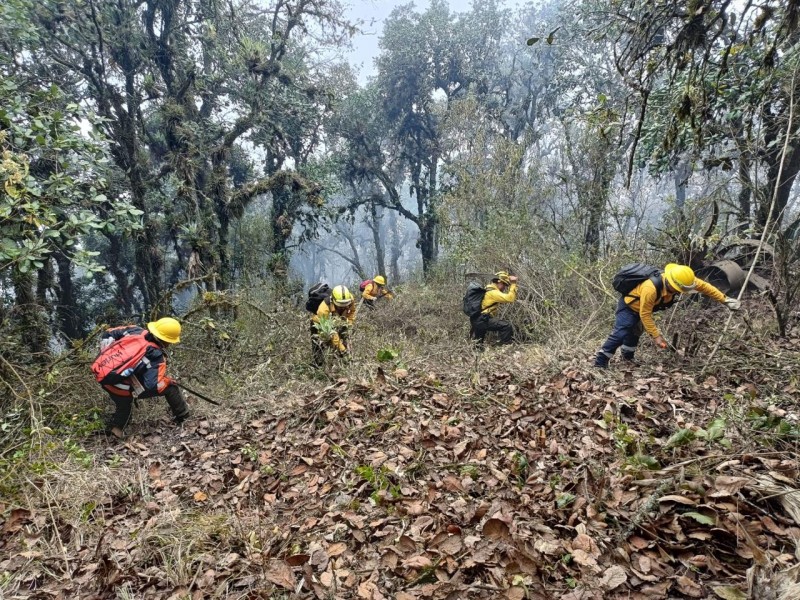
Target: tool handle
{"x":198,"y":394}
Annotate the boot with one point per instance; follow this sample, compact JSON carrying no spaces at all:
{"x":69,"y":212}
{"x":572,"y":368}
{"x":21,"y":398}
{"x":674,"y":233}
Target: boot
{"x":601,"y":360}
{"x":629,"y":359}
{"x":178,"y":406}
{"x":115,"y":431}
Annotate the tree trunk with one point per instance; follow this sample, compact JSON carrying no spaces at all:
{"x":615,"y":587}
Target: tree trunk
{"x":745,"y":193}
{"x":427,"y":243}
{"x":682,"y":173}
{"x":596,"y":197}
{"x":67,"y":311}
{"x":355,"y":260}
{"x":791,"y":166}
{"x":776,"y":129}
{"x":375,"y":226}
{"x":44,"y":282}
{"x":281,"y":231}
{"x":150,"y":266}
{"x":395,"y":250}
{"x":124,"y":296}
{"x":218,"y":257}
{"x":30,"y":318}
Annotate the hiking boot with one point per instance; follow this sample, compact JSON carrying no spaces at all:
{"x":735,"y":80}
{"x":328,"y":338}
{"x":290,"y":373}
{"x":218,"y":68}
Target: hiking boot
{"x":601,"y":360}
{"x":117,"y":432}
{"x":629,"y":359}
{"x":177,"y":405}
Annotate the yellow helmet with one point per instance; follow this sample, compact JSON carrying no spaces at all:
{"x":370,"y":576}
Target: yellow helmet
{"x":502,"y":276}
{"x":680,"y":277}
{"x":341,"y":296}
{"x":380,"y":280}
{"x":166,"y":329}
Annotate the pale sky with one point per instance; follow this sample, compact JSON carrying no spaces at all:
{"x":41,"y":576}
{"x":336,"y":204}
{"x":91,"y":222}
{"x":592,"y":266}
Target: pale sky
{"x":373,"y":12}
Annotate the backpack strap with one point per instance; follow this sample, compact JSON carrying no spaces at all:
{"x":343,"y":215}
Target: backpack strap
{"x":480,"y":312}
{"x":658,"y":283}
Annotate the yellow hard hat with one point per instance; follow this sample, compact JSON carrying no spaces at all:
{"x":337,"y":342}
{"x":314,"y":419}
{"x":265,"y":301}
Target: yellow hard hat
{"x":380,"y":280}
{"x":502,"y":276}
{"x":341,"y":296}
{"x":166,"y":329}
{"x":680,"y":277}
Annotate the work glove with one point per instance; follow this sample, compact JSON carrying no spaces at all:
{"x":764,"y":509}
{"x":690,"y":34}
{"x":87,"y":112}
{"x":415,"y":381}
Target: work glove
{"x":660,"y":342}
{"x":127,"y":373}
{"x":733,"y":303}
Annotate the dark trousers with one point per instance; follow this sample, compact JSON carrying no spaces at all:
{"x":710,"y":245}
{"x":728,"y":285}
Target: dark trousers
{"x":626,"y":333}
{"x":124,"y":405}
{"x":483,"y":324}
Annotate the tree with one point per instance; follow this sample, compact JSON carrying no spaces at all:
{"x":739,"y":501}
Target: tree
{"x":714,"y":81}
{"x":52,"y":196}
{"x":181,"y":85}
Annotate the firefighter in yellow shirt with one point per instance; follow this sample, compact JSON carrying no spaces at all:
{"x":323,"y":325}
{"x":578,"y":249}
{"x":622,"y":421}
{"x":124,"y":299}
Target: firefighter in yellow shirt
{"x":341,"y":310}
{"x":503,"y":288}
{"x":635,"y":310}
{"x":374,"y":290}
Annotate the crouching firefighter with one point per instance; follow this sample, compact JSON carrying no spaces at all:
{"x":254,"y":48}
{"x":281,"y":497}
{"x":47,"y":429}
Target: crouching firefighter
{"x":644,"y":290}
{"x":330,"y":322}
{"x":373,"y":290}
{"x":502,"y":289}
{"x":132,"y":364}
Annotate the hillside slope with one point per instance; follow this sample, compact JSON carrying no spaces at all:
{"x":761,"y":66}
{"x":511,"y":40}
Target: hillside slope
{"x":513,"y":481}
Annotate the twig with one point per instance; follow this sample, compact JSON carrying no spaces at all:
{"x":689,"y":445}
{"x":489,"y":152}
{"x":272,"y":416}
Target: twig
{"x":175,"y":288}
{"x":77,"y":346}
{"x":57,"y":533}
{"x":647,"y":508}
{"x":34,"y":420}
{"x":586,"y":279}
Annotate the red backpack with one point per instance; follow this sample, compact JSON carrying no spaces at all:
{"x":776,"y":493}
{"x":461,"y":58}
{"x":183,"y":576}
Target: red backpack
{"x":125,"y":353}
{"x":363,"y":285}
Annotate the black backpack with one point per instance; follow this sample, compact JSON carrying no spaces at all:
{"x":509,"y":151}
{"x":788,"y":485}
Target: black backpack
{"x":473,"y":299}
{"x":316,"y":296}
{"x":629,"y":276}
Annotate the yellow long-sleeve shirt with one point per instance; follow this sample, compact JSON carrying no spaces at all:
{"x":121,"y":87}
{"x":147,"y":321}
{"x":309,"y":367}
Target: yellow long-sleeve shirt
{"x":373,"y":291}
{"x":493,"y":297}
{"x":326,"y":310}
{"x":644,"y":299}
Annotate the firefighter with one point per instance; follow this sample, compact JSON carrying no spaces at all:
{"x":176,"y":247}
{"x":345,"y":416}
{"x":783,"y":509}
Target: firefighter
{"x":374,"y":290}
{"x":635,"y":309}
{"x":502,"y":289}
{"x":330,"y":324}
{"x":145,"y":375}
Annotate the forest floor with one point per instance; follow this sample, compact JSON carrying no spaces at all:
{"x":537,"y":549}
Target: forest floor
{"x":499,"y":476}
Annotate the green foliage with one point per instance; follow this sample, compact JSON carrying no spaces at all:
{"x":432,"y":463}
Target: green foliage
{"x":379,"y":480}
{"x":564,"y":499}
{"x":767,"y":422}
{"x":490,"y":197}
{"x":387,"y":354}
{"x":249,"y":452}
{"x":680,"y":438}
{"x":639,"y":461}
{"x":700,"y":518}
{"x":52,"y":178}
{"x":327,"y":326}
